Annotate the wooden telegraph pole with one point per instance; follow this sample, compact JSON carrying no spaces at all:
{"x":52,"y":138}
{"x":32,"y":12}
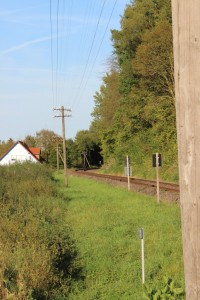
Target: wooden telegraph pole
{"x":62,"y":110}
{"x":186,"y":38}
{"x":57,"y":154}
{"x":64,"y":146}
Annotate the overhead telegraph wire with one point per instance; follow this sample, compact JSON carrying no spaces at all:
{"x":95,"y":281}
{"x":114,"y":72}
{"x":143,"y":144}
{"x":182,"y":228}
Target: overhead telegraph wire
{"x":52,"y":65}
{"x":99,"y":48}
{"x":101,"y":43}
{"x":64,"y":48}
{"x":92,"y":44}
{"x":57,"y":45}
{"x":62,"y":29}
{"x":90,"y":9}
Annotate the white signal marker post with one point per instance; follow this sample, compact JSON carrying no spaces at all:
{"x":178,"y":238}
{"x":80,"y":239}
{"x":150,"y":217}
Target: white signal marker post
{"x":128,"y":171}
{"x":141,"y":232}
{"x":157,"y":178}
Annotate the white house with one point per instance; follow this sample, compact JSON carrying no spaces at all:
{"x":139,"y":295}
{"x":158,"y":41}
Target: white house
{"x":19,"y":152}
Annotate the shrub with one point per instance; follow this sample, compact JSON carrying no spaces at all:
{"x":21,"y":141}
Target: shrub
{"x":167,"y":291}
{"x":36,"y":260}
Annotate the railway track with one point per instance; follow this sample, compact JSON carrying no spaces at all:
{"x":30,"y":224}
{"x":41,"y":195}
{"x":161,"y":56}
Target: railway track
{"x":165,"y":186}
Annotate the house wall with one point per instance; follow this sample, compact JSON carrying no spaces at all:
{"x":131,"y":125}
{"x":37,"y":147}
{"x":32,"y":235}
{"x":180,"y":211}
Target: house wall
{"x":17,"y":154}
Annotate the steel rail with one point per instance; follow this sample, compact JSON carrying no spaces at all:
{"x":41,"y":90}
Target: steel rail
{"x":168,"y":186}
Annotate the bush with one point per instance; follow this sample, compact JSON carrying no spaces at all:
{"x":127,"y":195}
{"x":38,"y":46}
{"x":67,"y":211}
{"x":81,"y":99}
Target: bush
{"x":167,"y":291}
{"x":36,"y":260}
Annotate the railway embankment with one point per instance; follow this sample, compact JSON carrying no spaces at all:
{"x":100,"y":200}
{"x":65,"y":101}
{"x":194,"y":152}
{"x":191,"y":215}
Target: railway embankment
{"x":168,"y":191}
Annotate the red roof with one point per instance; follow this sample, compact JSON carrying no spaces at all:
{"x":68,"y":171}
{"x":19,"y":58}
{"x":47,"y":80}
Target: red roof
{"x":35,"y":151}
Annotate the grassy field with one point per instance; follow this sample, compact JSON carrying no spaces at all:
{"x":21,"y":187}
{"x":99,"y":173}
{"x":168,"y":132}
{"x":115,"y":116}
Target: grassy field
{"x":105,"y":223}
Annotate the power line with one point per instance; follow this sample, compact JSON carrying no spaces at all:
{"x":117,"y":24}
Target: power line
{"x":101,"y":42}
{"x":85,"y":35}
{"x":63,"y":28}
{"x":88,"y":11}
{"x":100,"y":45}
{"x":92,"y":44}
{"x":52,"y":66}
{"x":64,"y":45}
{"x":57,"y":44}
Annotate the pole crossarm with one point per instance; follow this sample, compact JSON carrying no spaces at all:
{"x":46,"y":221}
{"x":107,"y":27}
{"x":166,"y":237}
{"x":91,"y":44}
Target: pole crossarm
{"x":58,"y":116}
{"x":62,"y":109}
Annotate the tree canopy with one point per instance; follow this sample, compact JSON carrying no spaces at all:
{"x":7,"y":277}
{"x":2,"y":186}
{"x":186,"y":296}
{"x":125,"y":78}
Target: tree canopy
{"x":134,"y":110}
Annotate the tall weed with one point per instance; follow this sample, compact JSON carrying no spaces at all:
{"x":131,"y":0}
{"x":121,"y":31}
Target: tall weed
{"x":36,"y":260}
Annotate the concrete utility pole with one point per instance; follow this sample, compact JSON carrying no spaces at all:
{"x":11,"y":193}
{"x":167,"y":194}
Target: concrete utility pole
{"x":62,"y":110}
{"x":186,"y":38}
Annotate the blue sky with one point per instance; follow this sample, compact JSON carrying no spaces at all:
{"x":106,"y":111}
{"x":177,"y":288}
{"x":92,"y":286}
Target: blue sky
{"x":46,"y":64}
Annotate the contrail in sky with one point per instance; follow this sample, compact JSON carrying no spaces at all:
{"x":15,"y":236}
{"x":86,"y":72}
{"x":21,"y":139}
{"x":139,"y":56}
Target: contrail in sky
{"x":19,"y":22}
{"x":24,"y":45}
{"x":14,"y":11}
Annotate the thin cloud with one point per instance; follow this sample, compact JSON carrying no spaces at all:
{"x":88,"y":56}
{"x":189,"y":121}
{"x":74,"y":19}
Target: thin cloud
{"x":17,"y":10}
{"x":33,"y":70}
{"x":18,"y":22}
{"x":24,"y":45}
{"x":15,"y":16}
{"x":25,"y":69}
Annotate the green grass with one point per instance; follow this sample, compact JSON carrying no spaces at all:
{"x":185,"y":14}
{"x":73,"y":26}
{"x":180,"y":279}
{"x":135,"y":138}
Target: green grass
{"x":105,"y":224}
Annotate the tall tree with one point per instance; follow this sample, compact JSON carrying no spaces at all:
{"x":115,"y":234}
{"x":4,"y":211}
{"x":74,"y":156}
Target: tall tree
{"x":46,"y":139}
{"x":4,"y":146}
{"x":143,"y":120}
{"x":107,"y":100}
{"x":30,"y":141}
{"x":87,"y":143}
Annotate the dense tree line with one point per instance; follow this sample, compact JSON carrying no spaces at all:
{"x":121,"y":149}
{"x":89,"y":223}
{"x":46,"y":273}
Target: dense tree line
{"x":134,"y":109}
{"x":83,"y":151}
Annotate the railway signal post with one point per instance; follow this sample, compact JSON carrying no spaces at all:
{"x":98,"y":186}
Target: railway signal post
{"x":157,"y":162}
{"x":128,"y":169}
{"x":186,"y":40}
